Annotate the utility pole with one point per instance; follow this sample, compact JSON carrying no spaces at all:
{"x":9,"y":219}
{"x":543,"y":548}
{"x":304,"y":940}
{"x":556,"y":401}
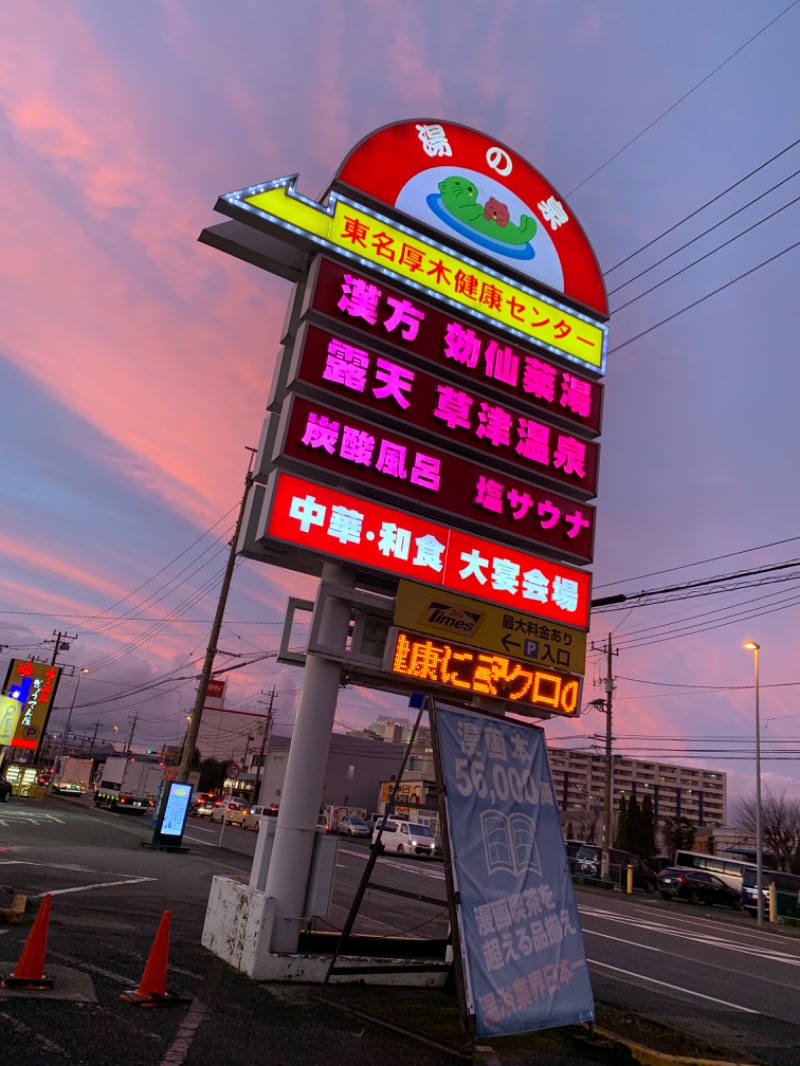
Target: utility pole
{"x":264,"y":743}
{"x":60,"y":644}
{"x":202,"y":686}
{"x":608,"y":804}
{"x":94,"y":737}
{"x":130,"y":735}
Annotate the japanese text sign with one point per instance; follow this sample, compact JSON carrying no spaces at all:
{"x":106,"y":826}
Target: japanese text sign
{"x":451,"y":415}
{"x":376,"y":538}
{"x":470,"y":186}
{"x":495,"y":629}
{"x":518,"y":921}
{"x":10,"y":711}
{"x":358,"y":233}
{"x":533,"y":690}
{"x":433,"y":336}
{"x":33,"y":685}
{"x":345,"y":447}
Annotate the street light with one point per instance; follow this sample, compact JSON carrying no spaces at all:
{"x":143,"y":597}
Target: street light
{"x":755,"y":648}
{"x":85,"y":670}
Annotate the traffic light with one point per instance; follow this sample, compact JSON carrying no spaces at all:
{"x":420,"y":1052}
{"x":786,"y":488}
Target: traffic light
{"x":150,"y":751}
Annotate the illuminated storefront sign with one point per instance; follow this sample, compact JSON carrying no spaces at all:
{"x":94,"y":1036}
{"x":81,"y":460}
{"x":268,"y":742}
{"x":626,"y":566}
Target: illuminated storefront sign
{"x":531,"y":689}
{"x":374,"y":538}
{"x":491,"y":628}
{"x":10,"y":711}
{"x":451,"y":415}
{"x":433,"y":336}
{"x":369,"y":238}
{"x":33,"y":685}
{"x":525,"y":963}
{"x":474,"y":188}
{"x":346,"y":447}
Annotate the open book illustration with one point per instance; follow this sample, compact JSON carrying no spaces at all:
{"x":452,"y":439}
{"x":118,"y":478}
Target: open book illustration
{"x":508,"y":840}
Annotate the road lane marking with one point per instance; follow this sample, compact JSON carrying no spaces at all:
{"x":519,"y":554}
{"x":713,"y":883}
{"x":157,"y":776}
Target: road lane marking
{"x":674,"y":988}
{"x":100,"y":884}
{"x":621,"y":940}
{"x":773,"y":954}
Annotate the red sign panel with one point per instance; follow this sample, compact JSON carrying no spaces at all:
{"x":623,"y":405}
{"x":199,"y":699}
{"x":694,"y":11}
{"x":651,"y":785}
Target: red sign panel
{"x":476,"y":190}
{"x":216,"y":688}
{"x":376,"y":538}
{"x":348,"y":448}
{"x":434,"y":336}
{"x":454,"y":416}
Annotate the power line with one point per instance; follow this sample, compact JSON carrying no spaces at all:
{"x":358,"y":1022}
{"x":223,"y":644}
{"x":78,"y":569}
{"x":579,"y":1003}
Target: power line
{"x":706,"y":255}
{"x":702,"y":207}
{"x":672,"y":107}
{"x":702,"y":299}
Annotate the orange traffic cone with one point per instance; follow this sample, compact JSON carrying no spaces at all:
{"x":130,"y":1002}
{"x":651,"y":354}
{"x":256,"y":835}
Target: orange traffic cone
{"x":29,"y":971}
{"x":152,"y":990}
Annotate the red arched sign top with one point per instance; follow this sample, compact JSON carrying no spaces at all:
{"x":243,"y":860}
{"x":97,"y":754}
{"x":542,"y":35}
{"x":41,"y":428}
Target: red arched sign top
{"x":476,"y":190}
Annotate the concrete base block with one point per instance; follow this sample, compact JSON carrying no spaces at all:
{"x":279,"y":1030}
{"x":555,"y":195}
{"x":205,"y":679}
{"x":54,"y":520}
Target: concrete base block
{"x":238,"y":929}
{"x":238,"y":925}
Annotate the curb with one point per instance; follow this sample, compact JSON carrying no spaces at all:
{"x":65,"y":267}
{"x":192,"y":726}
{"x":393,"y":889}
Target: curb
{"x":648,"y":1057}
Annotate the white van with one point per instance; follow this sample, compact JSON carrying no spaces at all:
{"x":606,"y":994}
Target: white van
{"x":405,"y":838}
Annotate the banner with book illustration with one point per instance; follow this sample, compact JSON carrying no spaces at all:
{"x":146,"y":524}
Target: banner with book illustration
{"x":524,"y":960}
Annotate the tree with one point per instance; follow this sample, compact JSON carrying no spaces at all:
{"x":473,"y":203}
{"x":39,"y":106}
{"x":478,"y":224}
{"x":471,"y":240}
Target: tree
{"x":679,"y":834}
{"x":621,"y":835}
{"x":634,"y":826}
{"x":647,"y":830}
{"x":780,"y":827}
{"x":212,"y":774}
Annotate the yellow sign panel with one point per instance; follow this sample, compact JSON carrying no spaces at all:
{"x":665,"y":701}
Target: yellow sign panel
{"x":495,"y":629}
{"x":405,"y":793}
{"x":10,"y":711}
{"x":369,"y":237}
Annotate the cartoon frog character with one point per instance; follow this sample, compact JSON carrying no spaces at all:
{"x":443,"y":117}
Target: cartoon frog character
{"x":460,"y":197}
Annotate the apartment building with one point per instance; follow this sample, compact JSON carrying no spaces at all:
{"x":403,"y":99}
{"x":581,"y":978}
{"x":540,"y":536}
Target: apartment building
{"x":687,"y":792}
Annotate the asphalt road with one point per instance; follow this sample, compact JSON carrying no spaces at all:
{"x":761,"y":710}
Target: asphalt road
{"x":707,"y":971}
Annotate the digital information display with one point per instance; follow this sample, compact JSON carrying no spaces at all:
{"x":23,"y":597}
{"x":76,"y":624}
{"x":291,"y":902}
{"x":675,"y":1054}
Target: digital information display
{"x":174,"y":810}
{"x":455,"y":666}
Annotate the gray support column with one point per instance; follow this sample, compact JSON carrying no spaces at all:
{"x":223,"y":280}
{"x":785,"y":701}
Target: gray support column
{"x":290,"y":862}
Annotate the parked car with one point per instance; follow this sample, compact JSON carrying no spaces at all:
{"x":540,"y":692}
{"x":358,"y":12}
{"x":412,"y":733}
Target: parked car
{"x":231,"y":811}
{"x":589,"y":859}
{"x":5,"y":789}
{"x":573,"y":847}
{"x":252,"y":818}
{"x":408,"y":838}
{"x":352,"y":826}
{"x":205,"y":804}
{"x":697,"y":886}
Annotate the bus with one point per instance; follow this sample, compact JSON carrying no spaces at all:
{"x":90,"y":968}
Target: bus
{"x":787,"y":888}
{"x":731,"y":871}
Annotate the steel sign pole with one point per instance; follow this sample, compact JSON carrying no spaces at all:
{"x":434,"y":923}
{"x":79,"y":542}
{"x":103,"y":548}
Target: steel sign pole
{"x":756,"y":648}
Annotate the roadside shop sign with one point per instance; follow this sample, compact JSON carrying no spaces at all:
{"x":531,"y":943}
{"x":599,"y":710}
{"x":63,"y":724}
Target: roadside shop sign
{"x":338,"y":296}
{"x":529,"y":689}
{"x":375,"y":538}
{"x":520,"y":937}
{"x":319,"y":441}
{"x":33,"y":684}
{"x":495,"y":629}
